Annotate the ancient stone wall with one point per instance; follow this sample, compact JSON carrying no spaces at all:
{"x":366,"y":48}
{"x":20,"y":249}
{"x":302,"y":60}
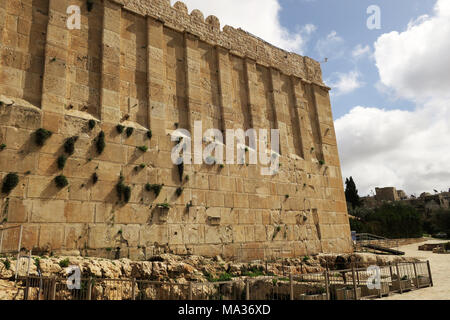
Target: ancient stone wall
{"x":153,"y":67}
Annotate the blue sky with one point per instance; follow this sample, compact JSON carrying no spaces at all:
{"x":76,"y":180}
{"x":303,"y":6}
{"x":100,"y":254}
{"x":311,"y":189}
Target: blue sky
{"x":348,"y":18}
{"x":390,"y":87}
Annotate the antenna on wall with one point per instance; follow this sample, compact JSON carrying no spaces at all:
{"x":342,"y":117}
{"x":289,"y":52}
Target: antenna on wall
{"x":324,"y":60}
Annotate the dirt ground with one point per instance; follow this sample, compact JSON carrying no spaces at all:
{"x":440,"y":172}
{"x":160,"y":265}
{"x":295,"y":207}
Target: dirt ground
{"x":440,"y":271}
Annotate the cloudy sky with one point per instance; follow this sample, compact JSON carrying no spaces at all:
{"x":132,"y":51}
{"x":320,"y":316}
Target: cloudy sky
{"x":391,"y":86}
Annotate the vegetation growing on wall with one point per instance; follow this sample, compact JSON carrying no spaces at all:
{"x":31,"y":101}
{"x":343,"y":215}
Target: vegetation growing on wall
{"x":100,"y":143}
{"x":90,"y":5}
{"x":62,"y":159}
{"x":181,"y":171}
{"x":91,"y":124}
{"x":61,"y":181}
{"x":156,"y":188}
{"x":94,"y":178}
{"x":10,"y":182}
{"x":129,"y":131}
{"x":123,"y":191}
{"x":143,"y":148}
{"x":69,"y":145}
{"x":120,"y":128}
{"x":41,"y":135}
{"x":164,"y":205}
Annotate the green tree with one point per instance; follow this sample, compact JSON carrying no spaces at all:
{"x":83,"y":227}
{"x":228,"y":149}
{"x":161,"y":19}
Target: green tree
{"x":351,"y":193}
{"x":391,"y":220}
{"x":440,"y":221}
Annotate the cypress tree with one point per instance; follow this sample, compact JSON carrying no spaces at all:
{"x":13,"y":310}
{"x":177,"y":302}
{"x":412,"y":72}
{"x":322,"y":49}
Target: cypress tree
{"x":351,"y":193}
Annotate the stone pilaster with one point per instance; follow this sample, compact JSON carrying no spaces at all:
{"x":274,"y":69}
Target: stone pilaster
{"x":256,"y":116}
{"x":2,"y":26}
{"x":193,"y":92}
{"x":109,"y":93}
{"x":156,"y":75}
{"x":280,"y":110}
{"x":325,"y":125}
{"x":313,"y":121}
{"x":54,"y":90}
{"x":225,"y":87}
{"x":301,"y":113}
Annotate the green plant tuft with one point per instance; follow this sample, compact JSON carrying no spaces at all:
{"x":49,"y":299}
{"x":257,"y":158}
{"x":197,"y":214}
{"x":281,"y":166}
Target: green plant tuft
{"x":129,"y":131}
{"x":91,"y":124}
{"x":2,"y":146}
{"x":100,"y":144}
{"x":321,"y":162}
{"x":95,"y":178}
{"x":41,"y":135}
{"x":120,"y":128}
{"x":61,"y":162}
{"x":149,"y":134}
{"x":10,"y":182}
{"x":164,"y":205}
{"x":127,"y":194}
{"x":180,"y":171}
{"x":123,"y":191}
{"x":61,"y":181}
{"x":156,"y":188}
{"x":90,"y":5}
{"x":69,"y":145}
{"x":179,"y":191}
{"x":64,"y":263}
{"x":143,"y":148}
{"x":7,"y":264}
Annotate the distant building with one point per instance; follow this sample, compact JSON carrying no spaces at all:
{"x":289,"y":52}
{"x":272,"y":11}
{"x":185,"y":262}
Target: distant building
{"x":386,"y":194}
{"x":426,"y":203}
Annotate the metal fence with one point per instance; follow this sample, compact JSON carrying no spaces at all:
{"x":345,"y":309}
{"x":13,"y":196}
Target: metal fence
{"x":11,"y":245}
{"x":348,"y":284}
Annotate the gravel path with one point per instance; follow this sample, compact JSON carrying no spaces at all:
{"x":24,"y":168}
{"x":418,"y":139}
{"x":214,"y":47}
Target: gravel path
{"x":440,"y":271}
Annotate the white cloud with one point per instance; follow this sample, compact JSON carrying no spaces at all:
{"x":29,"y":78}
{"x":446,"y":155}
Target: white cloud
{"x":344,"y":83}
{"x":260,"y":17}
{"x":331,"y":47}
{"x":359,"y":51}
{"x":406,"y":149}
{"x":415,"y":63}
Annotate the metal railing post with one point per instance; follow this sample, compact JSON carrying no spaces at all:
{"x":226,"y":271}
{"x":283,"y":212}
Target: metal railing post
{"x":89,"y":293}
{"x":327,"y":285}
{"x":429,"y":273}
{"x":133,"y":289}
{"x":53,"y":289}
{"x":415,"y":275}
{"x":29,"y":263}
{"x":247,"y":289}
{"x":27,"y":288}
{"x":190,"y":291}
{"x":291,"y":286}
{"x":1,"y":240}
{"x":354,"y":282}
{"x":398,"y":278}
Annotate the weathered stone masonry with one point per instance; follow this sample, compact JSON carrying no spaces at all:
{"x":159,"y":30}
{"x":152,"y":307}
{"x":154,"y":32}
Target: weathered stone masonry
{"x":151,"y":66}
